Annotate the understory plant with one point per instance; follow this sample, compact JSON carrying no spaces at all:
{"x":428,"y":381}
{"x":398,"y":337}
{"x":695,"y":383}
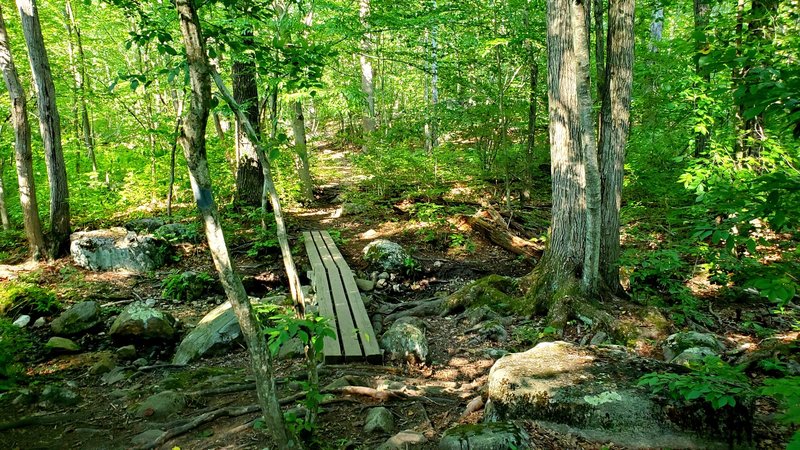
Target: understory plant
{"x":13,"y":343}
{"x":185,"y":286}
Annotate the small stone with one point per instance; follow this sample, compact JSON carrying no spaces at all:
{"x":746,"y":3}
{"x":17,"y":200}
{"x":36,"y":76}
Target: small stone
{"x":437,"y":264}
{"x":77,"y":319}
{"x":161,"y":405}
{"x":493,"y":331}
{"x":104,"y":365}
{"x":381,"y":284}
{"x":146,"y":437}
{"x":379,"y":420}
{"x":495,"y":353}
{"x":126,"y":352}
{"x":403,"y":440}
{"x":365,"y":285}
{"x":598,"y":338}
{"x":150,"y":302}
{"x":60,"y":344}
{"x":141,"y":362}
{"x":384,"y":276}
{"x":39,"y":323}
{"x":22,"y":321}
{"x":405,"y":341}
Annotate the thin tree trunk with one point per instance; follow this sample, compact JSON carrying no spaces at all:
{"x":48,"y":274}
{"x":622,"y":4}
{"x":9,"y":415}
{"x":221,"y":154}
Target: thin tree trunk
{"x":194,"y":145}
{"x":530,"y":155}
{"x":702,"y":9}
{"x":22,"y":148}
{"x":301,"y":148}
{"x":599,"y":43}
{"x":82,"y":86}
{"x":590,"y":273}
{"x":434,"y":83}
{"x":178,"y":125}
{"x":367,"y":84}
{"x":614,"y":137}
{"x":3,"y":210}
{"x":249,"y":176}
{"x":656,"y":28}
{"x":50,"y":127}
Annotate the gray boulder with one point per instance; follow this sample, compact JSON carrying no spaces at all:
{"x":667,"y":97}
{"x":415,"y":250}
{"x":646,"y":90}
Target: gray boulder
{"x":177,"y":233}
{"x":216,"y":331}
{"x":161,"y":405}
{"x":678,"y":342}
{"x":77,"y":319}
{"x":592,"y":392}
{"x":405,"y":340}
{"x":386,"y":255}
{"x":61,"y":345}
{"x":485,"y":436}
{"x":139,"y":321}
{"x":379,"y":420}
{"x":22,"y":321}
{"x":118,"y":248}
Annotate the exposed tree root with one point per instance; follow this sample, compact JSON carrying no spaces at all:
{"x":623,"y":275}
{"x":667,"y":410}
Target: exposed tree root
{"x":200,"y":420}
{"x":429,"y":308}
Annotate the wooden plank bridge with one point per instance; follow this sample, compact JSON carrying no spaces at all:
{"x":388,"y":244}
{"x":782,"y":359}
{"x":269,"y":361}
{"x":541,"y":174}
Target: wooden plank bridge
{"x":338,"y":299}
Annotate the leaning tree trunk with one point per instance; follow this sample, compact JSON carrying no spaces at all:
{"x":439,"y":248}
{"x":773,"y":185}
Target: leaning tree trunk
{"x":614,"y":134}
{"x":50,"y":127}
{"x":249,"y":176}
{"x":194,"y":146}
{"x":22,"y":148}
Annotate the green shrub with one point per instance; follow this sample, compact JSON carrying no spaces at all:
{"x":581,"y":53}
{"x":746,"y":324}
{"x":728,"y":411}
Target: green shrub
{"x":20,"y":297}
{"x":185,"y":286}
{"x":13,"y":343}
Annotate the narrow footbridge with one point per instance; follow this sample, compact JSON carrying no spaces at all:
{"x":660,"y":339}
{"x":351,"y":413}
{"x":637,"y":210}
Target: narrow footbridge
{"x":339,"y":300}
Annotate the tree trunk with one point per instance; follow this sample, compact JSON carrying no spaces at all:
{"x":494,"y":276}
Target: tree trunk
{"x":434,"y":132}
{"x":614,"y":134}
{"x":656,"y":28}
{"x":367,"y":84}
{"x":702,"y":9}
{"x":590,"y":273}
{"x":599,"y":43}
{"x":530,"y":156}
{"x":3,"y":209}
{"x":178,"y":126}
{"x":301,"y":148}
{"x":82,"y":86}
{"x":194,"y":146}
{"x":249,"y":176}
{"x":22,"y":148}
{"x":50,"y":127}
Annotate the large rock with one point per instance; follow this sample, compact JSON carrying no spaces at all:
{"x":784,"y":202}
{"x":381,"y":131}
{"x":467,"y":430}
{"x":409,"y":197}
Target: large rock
{"x":139,"y":321}
{"x":485,"y":436}
{"x":592,"y":392}
{"x":118,"y":248}
{"x":77,"y":319}
{"x":678,"y":342}
{"x":405,"y":340}
{"x":216,"y":331}
{"x":386,"y":255}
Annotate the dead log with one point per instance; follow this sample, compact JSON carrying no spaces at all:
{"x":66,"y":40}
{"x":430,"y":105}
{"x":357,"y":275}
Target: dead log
{"x":503,"y":238}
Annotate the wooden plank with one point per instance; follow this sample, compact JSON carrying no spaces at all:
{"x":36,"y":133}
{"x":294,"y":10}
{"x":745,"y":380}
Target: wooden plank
{"x":369,"y":341}
{"x":331,"y":346}
{"x":347,"y":330}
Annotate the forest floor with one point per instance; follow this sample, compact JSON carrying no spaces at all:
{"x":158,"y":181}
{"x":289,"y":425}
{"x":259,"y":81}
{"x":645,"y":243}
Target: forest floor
{"x":459,"y":363}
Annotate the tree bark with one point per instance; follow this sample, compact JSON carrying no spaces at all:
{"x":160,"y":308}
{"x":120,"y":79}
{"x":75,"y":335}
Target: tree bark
{"x":22,"y":147}
{"x":434,"y":131}
{"x":614,"y":134}
{"x":82,"y":86}
{"x":591,"y":270}
{"x":301,"y":150}
{"x":599,"y":43}
{"x":50,"y":127}
{"x":367,"y":84}
{"x":194,"y":146}
{"x":3,"y":209}
{"x":249,"y":175}
{"x":656,"y":28}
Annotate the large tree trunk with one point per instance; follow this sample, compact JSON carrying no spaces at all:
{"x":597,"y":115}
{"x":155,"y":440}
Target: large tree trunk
{"x":301,"y":148}
{"x":194,"y":146}
{"x":22,"y":148}
{"x":614,"y":134}
{"x":249,"y":176}
{"x":367,"y":84}
{"x":590,"y":273}
{"x":50,"y":127}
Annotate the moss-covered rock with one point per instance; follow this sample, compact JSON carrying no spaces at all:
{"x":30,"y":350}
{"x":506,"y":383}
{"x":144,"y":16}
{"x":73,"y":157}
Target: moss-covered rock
{"x":495,"y":291}
{"x":485,"y":436}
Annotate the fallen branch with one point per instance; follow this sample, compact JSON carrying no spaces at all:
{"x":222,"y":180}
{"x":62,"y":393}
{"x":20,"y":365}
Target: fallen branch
{"x":503,"y":238}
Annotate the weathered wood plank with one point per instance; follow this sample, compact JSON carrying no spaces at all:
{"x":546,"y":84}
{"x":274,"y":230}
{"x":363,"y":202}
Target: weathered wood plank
{"x":331,"y":346}
{"x":347,"y":330}
{"x":369,"y":341}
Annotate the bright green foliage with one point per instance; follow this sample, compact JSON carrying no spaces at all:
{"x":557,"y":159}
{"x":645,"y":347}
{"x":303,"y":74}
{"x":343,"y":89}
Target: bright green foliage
{"x":711,"y":381}
{"x":186,"y":286}
{"x":20,"y":297}
{"x":14,"y":343}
